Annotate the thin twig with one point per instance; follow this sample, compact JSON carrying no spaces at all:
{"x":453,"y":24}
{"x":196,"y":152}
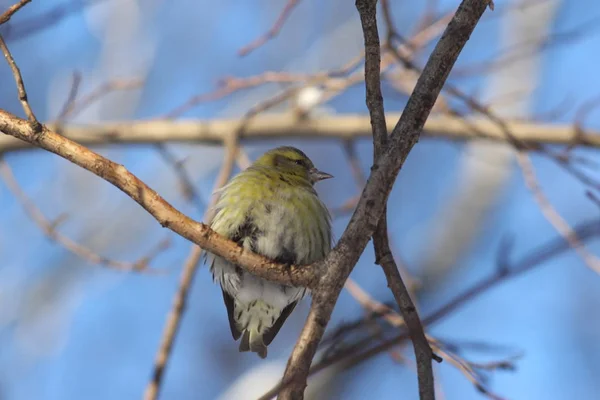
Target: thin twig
{"x":36,"y":126}
{"x":242,"y":159}
{"x":467,"y":368}
{"x":76,"y":82}
{"x":188,"y":189}
{"x":232,"y":85}
{"x":271,"y":33}
{"x":552,"y":216}
{"x":526,"y":49}
{"x":47,"y":19}
{"x":346,"y":208}
{"x":75,"y":107}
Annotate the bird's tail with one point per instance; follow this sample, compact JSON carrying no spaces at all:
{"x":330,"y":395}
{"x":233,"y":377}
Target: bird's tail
{"x":260,"y":322}
{"x":252,"y":340}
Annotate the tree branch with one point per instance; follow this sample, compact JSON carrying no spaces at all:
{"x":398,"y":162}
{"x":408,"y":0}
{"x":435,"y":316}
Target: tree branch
{"x":383,"y":255}
{"x":5,"y":16}
{"x":272,"y":32}
{"x":269,"y":126}
{"x":552,"y":216}
{"x":20,"y":85}
{"x":371,"y":205}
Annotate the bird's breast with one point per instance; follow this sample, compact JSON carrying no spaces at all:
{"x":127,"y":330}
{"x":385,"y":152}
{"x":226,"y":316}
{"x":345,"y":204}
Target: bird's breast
{"x":286,"y":223}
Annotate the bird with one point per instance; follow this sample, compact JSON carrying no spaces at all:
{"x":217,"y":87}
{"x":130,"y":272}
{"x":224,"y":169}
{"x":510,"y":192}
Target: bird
{"x":272,"y":209}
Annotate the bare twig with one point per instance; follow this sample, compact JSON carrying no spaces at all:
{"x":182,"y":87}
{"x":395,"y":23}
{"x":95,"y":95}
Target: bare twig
{"x":6,"y":15}
{"x":187,"y":276}
{"x":242,"y":159}
{"x":50,"y":230}
{"x":370,"y":304}
{"x":593,"y":197}
{"x":466,"y":367}
{"x":47,"y":19}
{"x":190,"y":193}
{"x":271,"y":33}
{"x":232,"y":85}
{"x":346,"y":208}
{"x":158,"y":207}
{"x":20,"y":86}
{"x":73,"y":108}
{"x":62,"y":115}
{"x":374,"y":307}
{"x":550,"y":213}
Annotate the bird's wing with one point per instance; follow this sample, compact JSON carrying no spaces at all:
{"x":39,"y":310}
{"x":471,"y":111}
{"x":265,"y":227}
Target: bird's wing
{"x":230,"y":314}
{"x":270,"y":333}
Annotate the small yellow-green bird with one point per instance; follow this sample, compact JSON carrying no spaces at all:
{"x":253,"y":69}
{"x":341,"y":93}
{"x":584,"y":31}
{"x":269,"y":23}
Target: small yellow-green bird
{"x":272,"y":209}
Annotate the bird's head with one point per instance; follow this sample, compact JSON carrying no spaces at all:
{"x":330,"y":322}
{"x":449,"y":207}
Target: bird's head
{"x":292,"y":162}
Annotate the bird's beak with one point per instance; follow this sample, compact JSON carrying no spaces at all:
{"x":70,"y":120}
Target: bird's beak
{"x":316,"y":175}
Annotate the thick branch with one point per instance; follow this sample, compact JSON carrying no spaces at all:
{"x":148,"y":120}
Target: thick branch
{"x":372,"y":203}
{"x":158,"y":207}
{"x":269,"y":126}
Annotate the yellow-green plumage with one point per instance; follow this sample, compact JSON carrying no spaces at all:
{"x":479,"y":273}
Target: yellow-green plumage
{"x":272,"y":209}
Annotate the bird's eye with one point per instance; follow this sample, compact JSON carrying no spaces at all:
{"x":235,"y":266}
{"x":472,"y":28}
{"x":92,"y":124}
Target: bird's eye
{"x":299,"y":162}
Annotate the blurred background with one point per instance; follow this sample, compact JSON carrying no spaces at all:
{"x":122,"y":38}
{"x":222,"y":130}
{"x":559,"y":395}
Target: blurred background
{"x":464,"y":210}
